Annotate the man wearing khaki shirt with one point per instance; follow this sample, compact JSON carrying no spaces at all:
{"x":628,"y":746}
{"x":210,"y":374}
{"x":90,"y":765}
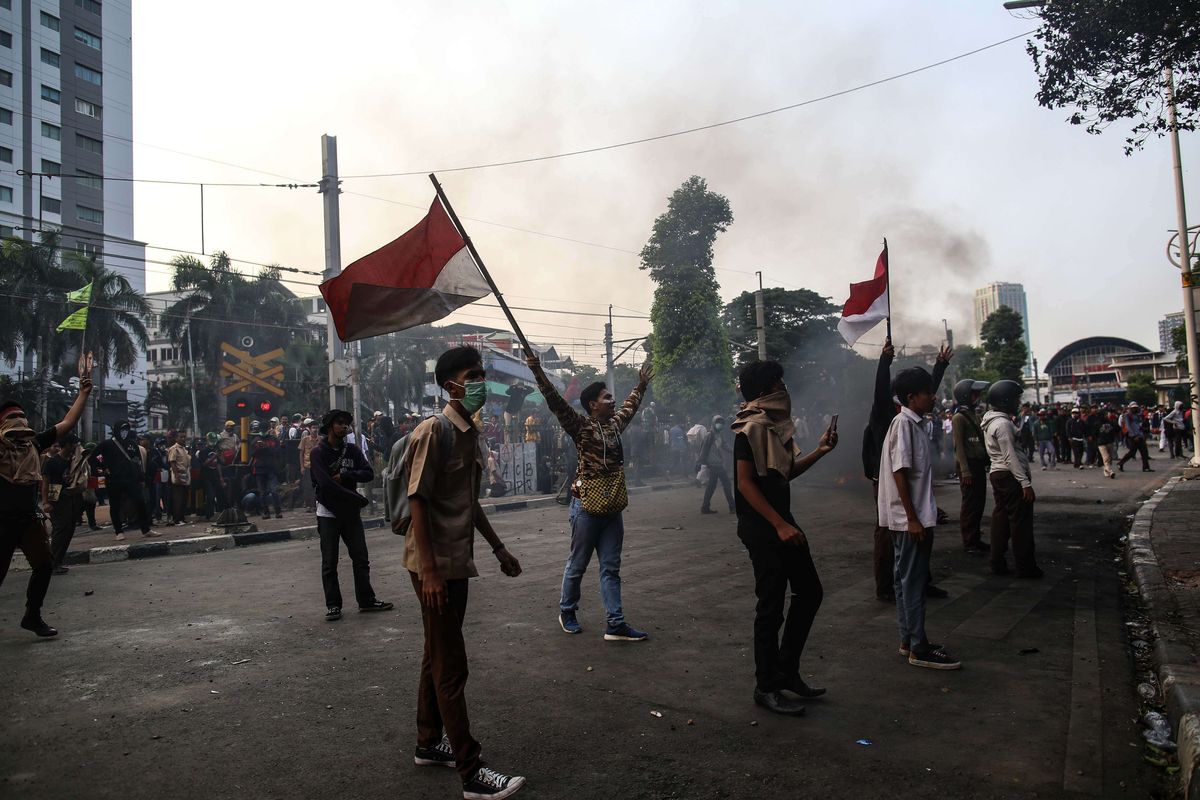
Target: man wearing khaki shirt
{"x":443,"y":466}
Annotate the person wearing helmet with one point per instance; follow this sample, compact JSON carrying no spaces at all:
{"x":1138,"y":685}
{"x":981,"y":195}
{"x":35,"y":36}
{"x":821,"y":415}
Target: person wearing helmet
{"x":972,"y":460}
{"x":1134,"y":427}
{"x":1012,"y":483}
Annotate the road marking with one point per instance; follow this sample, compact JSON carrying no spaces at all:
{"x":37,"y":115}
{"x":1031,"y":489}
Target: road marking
{"x":1002,"y":614}
{"x":1082,"y":772}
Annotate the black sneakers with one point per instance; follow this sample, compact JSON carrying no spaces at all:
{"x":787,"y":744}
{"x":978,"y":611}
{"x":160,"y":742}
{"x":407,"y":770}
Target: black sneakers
{"x":487,"y":784}
{"x":777,"y":703}
{"x":35,"y":623}
{"x":333,"y":613}
{"x":377,"y":605}
{"x":932,"y":657}
{"x":440,"y":755}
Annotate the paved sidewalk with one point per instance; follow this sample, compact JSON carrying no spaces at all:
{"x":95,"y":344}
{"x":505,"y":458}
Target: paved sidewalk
{"x":1163,"y":555}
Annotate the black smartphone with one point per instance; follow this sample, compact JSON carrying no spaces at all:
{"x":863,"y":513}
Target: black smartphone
{"x":833,"y":423}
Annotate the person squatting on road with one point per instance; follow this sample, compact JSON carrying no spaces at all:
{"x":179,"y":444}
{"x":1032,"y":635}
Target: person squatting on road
{"x":66,"y":476}
{"x":972,"y":460}
{"x":1012,"y":483}
{"x":443,"y":467}
{"x":598,"y":496}
{"x":715,"y":453}
{"x":883,"y":411}
{"x":908,"y":511}
{"x":766,"y":459}
{"x":337,"y":468}
{"x":21,"y":524}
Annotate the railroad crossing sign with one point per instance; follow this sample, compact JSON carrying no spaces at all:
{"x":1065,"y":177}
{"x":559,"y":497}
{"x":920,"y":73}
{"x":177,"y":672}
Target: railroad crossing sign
{"x":251,"y":372}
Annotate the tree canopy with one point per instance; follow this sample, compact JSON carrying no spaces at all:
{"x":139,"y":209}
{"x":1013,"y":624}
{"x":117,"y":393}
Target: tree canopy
{"x":1106,"y":58}
{"x":796,"y":320}
{"x":1003,"y":337}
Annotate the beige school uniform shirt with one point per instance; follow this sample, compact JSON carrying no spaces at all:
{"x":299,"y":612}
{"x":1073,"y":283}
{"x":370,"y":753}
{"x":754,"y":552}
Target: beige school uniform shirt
{"x":448,"y":482}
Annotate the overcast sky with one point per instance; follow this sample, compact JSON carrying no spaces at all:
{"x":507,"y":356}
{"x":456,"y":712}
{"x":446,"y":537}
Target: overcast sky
{"x":968,"y":178}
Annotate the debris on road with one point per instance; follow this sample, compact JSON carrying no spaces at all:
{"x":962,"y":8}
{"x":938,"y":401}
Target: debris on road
{"x":243,"y":661}
{"x":656,"y":714}
{"x":864,"y":742}
{"x":1027,"y":651}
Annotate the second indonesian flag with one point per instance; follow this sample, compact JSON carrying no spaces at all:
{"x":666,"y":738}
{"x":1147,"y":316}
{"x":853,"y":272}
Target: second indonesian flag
{"x":868,"y":304}
{"x":420,"y":277}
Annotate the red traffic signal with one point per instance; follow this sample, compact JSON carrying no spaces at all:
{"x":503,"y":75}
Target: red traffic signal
{"x":241,"y":404}
{"x":265,"y":406}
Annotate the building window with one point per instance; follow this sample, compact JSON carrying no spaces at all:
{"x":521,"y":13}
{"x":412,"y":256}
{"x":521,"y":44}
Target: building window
{"x":7,"y":6}
{"x":7,"y":231}
{"x":51,"y":95}
{"x":89,"y":249}
{"x":51,"y":131}
{"x":5,"y":116}
{"x":50,"y":57}
{"x":87,"y":73}
{"x":152,"y":356}
{"x":6,"y":196}
{"x":89,"y":214}
{"x":51,"y":205}
{"x":6,"y":155}
{"x":89,"y":179}
{"x":88,"y":5}
{"x":5,"y":78}
{"x":50,"y":21}
{"x":87,"y":109}
{"x":89,"y":144}
{"x":5,"y":39}
{"x":51,"y":167}
{"x":90,"y":39}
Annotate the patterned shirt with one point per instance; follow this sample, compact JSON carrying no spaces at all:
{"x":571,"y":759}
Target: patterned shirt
{"x":598,"y":443}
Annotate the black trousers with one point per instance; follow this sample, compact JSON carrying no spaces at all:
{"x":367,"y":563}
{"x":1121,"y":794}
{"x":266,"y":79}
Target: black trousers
{"x":119,"y":497}
{"x":776,"y":567}
{"x":717,"y":474}
{"x":1136,"y":447}
{"x":348,"y":530}
{"x":64,"y":516}
{"x":29,"y":534}
{"x":1077,"y":447}
{"x":974,"y":498}
{"x":214,"y":494}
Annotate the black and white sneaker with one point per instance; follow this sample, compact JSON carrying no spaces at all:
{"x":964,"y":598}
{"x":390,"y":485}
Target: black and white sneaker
{"x":333,"y":613}
{"x":933,"y":658}
{"x":487,"y":784}
{"x":440,"y":755}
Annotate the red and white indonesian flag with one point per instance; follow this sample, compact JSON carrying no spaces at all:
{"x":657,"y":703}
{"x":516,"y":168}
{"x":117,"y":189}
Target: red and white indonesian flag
{"x":868,"y":303}
{"x":420,"y":277}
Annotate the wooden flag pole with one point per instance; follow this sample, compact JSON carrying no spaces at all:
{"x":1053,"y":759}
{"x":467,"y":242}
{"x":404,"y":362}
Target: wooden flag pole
{"x":888,"y":284}
{"x":479,"y":263}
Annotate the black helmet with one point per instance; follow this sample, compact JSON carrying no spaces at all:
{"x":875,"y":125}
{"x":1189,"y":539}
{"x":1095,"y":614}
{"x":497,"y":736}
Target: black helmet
{"x":1005,"y":396}
{"x":964,"y":388}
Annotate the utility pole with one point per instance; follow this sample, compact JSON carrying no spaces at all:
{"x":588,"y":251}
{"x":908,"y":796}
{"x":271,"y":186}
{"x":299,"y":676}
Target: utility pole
{"x":331,"y":188}
{"x":608,"y":352}
{"x":1191,"y":278}
{"x":192,"y":373}
{"x":760,"y":319}
{"x":1037,"y":395}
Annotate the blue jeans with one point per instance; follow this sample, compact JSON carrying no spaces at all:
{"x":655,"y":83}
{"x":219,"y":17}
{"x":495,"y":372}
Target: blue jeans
{"x":911,"y":576}
{"x":268,"y":489}
{"x":604,"y":533}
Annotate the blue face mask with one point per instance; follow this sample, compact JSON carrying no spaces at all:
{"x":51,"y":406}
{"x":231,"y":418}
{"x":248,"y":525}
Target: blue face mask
{"x":475,"y":397}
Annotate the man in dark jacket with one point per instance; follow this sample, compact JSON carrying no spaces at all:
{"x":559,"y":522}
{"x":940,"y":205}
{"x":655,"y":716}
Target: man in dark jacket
{"x":337,"y":468}
{"x":716,"y":453}
{"x":125,"y":465}
{"x":264,"y":466}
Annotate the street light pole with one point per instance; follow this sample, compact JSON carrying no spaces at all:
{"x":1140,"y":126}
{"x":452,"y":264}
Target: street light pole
{"x":760,"y":318}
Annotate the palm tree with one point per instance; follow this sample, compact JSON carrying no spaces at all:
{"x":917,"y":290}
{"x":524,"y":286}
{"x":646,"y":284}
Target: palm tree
{"x":392,"y":367}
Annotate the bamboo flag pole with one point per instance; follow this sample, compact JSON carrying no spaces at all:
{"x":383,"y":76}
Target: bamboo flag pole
{"x":479,"y":263}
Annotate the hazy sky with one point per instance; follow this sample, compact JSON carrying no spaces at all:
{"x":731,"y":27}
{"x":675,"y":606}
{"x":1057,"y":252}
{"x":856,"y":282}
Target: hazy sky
{"x":970,"y":180}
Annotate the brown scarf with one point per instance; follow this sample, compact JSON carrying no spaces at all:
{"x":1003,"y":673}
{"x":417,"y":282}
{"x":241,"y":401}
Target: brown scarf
{"x":19,"y":461}
{"x":768,"y":426}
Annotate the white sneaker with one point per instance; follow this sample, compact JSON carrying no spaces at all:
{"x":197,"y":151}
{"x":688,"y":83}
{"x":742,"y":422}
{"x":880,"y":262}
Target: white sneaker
{"x":487,"y":784}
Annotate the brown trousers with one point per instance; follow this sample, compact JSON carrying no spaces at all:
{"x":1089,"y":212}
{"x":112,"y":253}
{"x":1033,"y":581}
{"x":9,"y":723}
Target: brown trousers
{"x":29,"y":534}
{"x":1011,"y":519}
{"x":974,"y":498}
{"x":441,"y":694}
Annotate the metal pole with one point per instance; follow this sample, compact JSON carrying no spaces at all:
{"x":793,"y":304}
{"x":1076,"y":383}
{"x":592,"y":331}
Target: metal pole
{"x":1037,"y":394}
{"x":202,"y":251}
{"x":760,"y":317}
{"x":1185,"y":262}
{"x":192,"y":373}
{"x":608,"y":354}
{"x":330,"y":188}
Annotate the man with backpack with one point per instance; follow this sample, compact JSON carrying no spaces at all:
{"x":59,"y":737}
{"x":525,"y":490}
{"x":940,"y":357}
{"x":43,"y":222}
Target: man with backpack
{"x":971,"y":457}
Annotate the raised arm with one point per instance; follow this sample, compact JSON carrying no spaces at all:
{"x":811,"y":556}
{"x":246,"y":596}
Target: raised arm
{"x":939,"y":366}
{"x":882,"y":398}
{"x":625,"y":414}
{"x":76,"y":410}
{"x":571,"y":420}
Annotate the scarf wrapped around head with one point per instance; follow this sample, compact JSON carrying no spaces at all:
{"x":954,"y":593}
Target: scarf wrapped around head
{"x":768,"y":426}
{"x":19,"y":460}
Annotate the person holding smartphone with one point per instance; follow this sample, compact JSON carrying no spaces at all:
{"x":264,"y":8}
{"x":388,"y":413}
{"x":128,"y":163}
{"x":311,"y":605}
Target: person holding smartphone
{"x":766,"y":460}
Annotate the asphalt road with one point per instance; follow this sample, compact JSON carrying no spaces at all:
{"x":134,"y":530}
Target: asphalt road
{"x":216,"y":676}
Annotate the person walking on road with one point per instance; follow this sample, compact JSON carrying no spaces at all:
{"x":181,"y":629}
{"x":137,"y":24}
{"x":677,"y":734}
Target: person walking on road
{"x":715,"y":453}
{"x":1012,"y":484}
{"x":1043,"y":434}
{"x":907,"y":509}
{"x":766,"y":460}
{"x":1077,"y":436}
{"x":125,"y":463}
{"x":971,"y":457}
{"x":443,"y":468}
{"x":598,"y":496}
{"x":1135,"y":437}
{"x":337,"y":469}
{"x":65,"y":479}
{"x":1106,"y":437}
{"x":20,"y":524}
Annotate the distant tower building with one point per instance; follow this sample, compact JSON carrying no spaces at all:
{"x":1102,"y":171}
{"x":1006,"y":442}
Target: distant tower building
{"x":991,"y":297}
{"x":1166,"y":326}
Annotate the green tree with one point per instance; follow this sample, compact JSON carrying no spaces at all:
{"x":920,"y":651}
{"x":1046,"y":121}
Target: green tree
{"x":1179,"y":344}
{"x":1139,"y":388}
{"x":393,"y":367}
{"x":690,"y":354}
{"x":1003,"y":336}
{"x":173,"y":401}
{"x":1105,"y":59}
{"x":796,"y":321}
{"x":969,"y":363}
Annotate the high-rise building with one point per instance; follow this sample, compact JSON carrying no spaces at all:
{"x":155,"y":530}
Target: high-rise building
{"x":66,"y":123}
{"x":1167,"y":326}
{"x":989,"y":298}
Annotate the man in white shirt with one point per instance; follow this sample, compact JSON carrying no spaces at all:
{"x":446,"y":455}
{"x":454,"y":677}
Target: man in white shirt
{"x":908,"y":510}
{"x":1012,"y":483}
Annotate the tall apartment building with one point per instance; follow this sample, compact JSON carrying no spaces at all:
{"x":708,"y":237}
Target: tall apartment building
{"x":1166,"y":326}
{"x":989,"y":298}
{"x":66,"y":123}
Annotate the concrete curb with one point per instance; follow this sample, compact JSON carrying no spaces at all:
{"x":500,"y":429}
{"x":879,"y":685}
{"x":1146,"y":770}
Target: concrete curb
{"x":153,"y":548}
{"x":1177,"y":674}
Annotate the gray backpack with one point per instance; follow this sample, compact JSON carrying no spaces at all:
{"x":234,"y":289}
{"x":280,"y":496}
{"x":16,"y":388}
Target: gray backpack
{"x":395,"y":476}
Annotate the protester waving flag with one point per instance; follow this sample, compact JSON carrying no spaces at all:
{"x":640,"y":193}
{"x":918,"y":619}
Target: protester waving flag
{"x":868,"y":304}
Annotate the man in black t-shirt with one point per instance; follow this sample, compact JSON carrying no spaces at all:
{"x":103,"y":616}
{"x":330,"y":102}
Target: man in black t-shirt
{"x":766,"y":459}
{"x":66,"y":477}
{"x":20,"y":521}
